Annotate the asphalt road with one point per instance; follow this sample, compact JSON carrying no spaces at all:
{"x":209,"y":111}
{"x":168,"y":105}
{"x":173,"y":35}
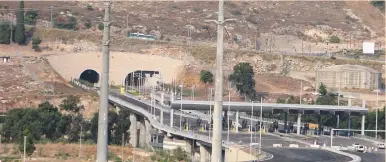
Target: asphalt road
{"x":304,"y":155}
{"x":280,"y":154}
{"x":370,"y":157}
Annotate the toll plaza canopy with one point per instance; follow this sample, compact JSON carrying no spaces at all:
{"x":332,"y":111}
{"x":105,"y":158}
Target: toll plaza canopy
{"x":270,"y":107}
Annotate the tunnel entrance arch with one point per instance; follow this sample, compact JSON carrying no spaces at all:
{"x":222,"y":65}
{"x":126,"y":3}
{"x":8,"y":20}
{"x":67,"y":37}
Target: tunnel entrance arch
{"x":140,"y":77}
{"x":90,"y":76}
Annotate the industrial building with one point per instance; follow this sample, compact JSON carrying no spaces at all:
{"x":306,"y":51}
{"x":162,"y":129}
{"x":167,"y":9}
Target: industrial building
{"x":349,"y":76}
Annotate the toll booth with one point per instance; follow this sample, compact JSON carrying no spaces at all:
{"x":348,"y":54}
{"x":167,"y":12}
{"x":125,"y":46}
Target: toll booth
{"x":157,"y":139}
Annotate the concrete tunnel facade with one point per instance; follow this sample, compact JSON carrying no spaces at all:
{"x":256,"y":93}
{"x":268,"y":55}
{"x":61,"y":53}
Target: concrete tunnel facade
{"x":71,"y":66}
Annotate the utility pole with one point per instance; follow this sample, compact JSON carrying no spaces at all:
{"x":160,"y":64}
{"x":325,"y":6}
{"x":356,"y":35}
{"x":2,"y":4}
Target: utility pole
{"x":80,"y":140}
{"x":104,"y":92}
{"x":217,"y":115}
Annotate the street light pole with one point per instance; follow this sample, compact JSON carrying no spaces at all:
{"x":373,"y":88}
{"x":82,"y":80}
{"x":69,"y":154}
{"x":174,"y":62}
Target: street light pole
{"x":261,"y":121}
{"x":217,"y":141}
{"x":229,"y":105}
{"x":250,"y":129}
{"x":181,"y":105}
{"x":376,"y":118}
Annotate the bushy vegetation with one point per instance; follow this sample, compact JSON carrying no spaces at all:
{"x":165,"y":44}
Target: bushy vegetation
{"x":334,"y":39}
{"x":31,"y":17}
{"x":47,"y":123}
{"x":65,"y":22}
{"x":101,"y":26}
{"x":243,"y":78}
{"x":379,"y":4}
{"x":176,"y":155}
{"x":35,"y":42}
{"x":5,"y":32}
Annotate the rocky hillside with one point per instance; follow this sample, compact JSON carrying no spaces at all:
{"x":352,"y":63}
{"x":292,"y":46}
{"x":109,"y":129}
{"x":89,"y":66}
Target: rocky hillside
{"x":276,"y":26}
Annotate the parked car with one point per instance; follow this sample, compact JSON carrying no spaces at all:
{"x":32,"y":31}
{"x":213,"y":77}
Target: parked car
{"x":381,"y":146}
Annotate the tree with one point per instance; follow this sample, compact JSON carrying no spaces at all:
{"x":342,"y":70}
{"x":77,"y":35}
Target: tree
{"x":118,"y":125}
{"x":5,"y":32}
{"x":206,"y":77}
{"x":322,"y":89}
{"x":243,"y":77}
{"x":30,"y":147}
{"x":35,"y":42}
{"x":101,"y":26}
{"x":65,"y":22}
{"x":88,"y":24}
{"x":72,"y":104}
{"x":20,"y":30}
{"x":31,"y":17}
{"x":50,"y":118}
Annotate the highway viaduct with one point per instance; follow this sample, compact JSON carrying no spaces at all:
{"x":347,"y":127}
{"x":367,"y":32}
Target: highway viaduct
{"x":143,"y":121}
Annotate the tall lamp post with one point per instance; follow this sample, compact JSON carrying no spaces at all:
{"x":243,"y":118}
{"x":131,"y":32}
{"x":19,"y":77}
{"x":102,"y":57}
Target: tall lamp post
{"x":217,"y":141}
{"x":181,"y":86}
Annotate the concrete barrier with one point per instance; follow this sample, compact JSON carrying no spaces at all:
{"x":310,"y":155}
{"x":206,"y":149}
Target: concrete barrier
{"x":315,"y":146}
{"x":294,"y":145}
{"x":277,"y":145}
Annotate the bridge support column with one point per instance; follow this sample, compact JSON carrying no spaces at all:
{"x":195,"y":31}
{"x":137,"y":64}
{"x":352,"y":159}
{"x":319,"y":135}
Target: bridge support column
{"x":147,"y":132}
{"x":171,"y":117}
{"x":237,"y":121}
{"x":161,"y":116}
{"x":162,"y":98}
{"x":133,"y":130}
{"x":285,"y":121}
{"x":142,"y":132}
{"x":204,"y":154}
{"x":349,"y":125}
{"x":298,"y":123}
{"x":363,"y":125}
{"x":190,"y":147}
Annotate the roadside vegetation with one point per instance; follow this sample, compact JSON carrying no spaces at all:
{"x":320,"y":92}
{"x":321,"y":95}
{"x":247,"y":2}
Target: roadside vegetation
{"x":47,"y":123}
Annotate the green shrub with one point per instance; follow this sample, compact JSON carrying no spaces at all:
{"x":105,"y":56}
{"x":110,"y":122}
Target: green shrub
{"x":31,"y":17}
{"x":236,"y":13}
{"x":87,"y":24}
{"x":35,"y":42}
{"x":89,"y":7}
{"x":63,"y":22}
{"x":5,"y":32}
{"x":101,"y":26}
{"x":334,"y":39}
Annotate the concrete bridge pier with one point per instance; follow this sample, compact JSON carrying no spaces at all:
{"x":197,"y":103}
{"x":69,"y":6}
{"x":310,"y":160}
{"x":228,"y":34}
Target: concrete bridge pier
{"x":285,"y":121}
{"x":298,"y":123}
{"x":237,"y":121}
{"x":190,"y":147}
{"x":144,"y":132}
{"x":205,"y":153}
{"x":171,"y":117}
{"x":133,"y":130}
{"x":363,"y":125}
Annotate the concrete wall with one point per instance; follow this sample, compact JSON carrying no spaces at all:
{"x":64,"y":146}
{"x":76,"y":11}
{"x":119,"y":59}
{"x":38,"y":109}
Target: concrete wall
{"x":348,"y":79}
{"x":72,"y":65}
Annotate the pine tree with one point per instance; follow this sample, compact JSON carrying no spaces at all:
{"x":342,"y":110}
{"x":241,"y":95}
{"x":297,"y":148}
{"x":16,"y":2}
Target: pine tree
{"x":20,"y":30}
